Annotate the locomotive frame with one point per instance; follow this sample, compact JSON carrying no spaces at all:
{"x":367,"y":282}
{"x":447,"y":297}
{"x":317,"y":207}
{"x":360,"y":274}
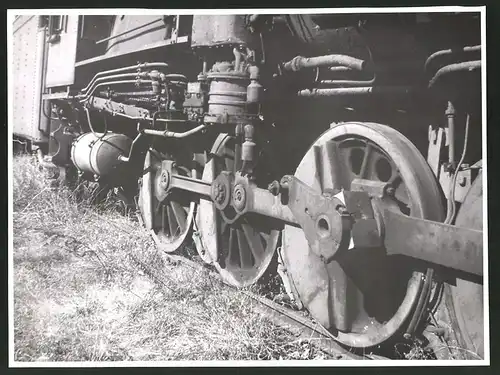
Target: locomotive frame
{"x":372,"y":215}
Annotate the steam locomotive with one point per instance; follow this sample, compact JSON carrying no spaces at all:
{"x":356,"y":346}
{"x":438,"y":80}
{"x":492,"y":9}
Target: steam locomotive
{"x":340,"y":151}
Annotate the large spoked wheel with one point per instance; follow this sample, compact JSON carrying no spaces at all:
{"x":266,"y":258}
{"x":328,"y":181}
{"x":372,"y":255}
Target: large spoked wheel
{"x":364,"y":297}
{"x":242,"y":251}
{"x":170,"y":218}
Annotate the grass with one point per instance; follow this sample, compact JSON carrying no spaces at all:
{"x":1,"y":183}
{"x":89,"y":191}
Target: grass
{"x":90,"y":285}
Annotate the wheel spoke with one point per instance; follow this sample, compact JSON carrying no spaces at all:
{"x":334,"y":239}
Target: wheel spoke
{"x":366,"y":158}
{"x":337,"y":292}
{"x":164,"y":218}
{"x":318,"y":180}
{"x":333,"y":167}
{"x":265,"y":236}
{"x":395,"y":180}
{"x":330,"y":167}
{"x":228,"y":153}
{"x":229,"y":164}
{"x":245,"y":252}
{"x":233,"y":257}
{"x":223,"y":225}
{"x":180,"y":215}
{"x":254,"y":241}
{"x":171,"y":223}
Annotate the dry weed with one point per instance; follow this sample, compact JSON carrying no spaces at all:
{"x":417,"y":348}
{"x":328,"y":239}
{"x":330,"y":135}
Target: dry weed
{"x":91,"y":286}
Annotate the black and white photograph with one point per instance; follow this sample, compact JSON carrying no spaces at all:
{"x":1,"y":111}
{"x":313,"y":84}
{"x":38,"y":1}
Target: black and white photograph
{"x":249,"y":187}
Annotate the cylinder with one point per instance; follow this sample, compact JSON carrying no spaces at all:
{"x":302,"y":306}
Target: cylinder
{"x":97,"y":154}
{"x":228,"y":93}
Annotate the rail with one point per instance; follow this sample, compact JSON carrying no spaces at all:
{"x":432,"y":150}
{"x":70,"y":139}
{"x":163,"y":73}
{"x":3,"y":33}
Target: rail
{"x":288,"y":319}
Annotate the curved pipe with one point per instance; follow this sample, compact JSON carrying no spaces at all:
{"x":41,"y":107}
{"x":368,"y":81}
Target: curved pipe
{"x":86,"y":96}
{"x":345,"y":91}
{"x":175,"y":77}
{"x":125,"y":69}
{"x":170,"y":134}
{"x":42,"y":162}
{"x":340,"y":82}
{"x":446,"y":52}
{"x":300,"y":62}
{"x":116,"y":76}
{"x":453,"y":68}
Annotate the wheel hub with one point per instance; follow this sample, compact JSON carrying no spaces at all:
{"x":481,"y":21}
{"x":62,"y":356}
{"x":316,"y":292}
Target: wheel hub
{"x":239,"y":197}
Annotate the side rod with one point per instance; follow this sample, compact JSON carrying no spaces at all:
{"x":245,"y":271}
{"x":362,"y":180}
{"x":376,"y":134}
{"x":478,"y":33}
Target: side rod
{"x":438,"y":243}
{"x":447,"y":245}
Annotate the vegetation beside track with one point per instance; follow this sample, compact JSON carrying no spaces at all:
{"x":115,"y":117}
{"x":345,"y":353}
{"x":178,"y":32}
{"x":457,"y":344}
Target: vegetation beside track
{"x":90,"y":285}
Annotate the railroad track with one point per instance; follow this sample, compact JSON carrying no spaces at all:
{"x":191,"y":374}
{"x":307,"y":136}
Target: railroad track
{"x":301,"y":326}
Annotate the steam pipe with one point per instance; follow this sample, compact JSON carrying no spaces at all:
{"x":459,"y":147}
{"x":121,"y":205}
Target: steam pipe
{"x":170,"y":134}
{"x":116,"y":76}
{"x":453,"y":68}
{"x":300,"y":62}
{"x":125,"y":69}
{"x":155,"y":75}
{"x":446,"y":52}
{"x":86,"y":96}
{"x":347,"y":91}
{"x":347,"y":82}
{"x":175,"y":77}
{"x":339,"y":69}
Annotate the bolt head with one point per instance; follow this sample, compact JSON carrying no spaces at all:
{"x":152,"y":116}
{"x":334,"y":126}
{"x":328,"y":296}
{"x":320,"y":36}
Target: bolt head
{"x":274,"y":188}
{"x":390,"y":190}
{"x":342,"y":210}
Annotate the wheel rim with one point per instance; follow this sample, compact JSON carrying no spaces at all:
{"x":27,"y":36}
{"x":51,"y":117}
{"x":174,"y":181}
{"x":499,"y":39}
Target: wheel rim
{"x":169,"y":220}
{"x":242,"y":251}
{"x":362,"y":303}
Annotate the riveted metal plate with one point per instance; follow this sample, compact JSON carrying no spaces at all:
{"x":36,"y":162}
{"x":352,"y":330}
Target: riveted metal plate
{"x":28,"y":50}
